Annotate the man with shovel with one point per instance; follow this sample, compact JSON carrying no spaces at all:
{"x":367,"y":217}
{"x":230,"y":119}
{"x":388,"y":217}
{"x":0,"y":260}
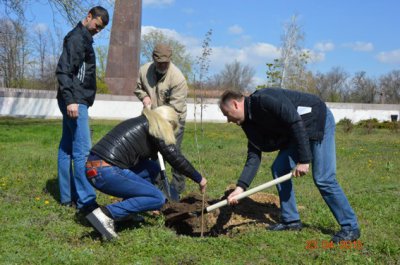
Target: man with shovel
{"x":302,"y":128}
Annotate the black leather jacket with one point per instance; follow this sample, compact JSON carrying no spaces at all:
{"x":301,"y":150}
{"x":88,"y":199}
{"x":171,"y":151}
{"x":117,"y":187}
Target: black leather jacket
{"x":76,"y":68}
{"x":129,"y":142}
{"x":272,"y":122}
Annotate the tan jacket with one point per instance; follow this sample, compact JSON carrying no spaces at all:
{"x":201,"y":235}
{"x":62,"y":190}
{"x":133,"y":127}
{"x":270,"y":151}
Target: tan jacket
{"x":171,"y":89}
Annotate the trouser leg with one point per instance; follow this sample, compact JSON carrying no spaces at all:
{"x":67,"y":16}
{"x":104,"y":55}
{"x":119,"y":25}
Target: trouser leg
{"x":324,"y":174}
{"x":133,"y":185}
{"x":65,"y":172}
{"x":283,"y":164}
{"x":64,"y":164}
{"x":81,"y":145}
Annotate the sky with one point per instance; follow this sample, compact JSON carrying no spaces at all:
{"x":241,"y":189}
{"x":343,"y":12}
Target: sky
{"x":356,"y":35}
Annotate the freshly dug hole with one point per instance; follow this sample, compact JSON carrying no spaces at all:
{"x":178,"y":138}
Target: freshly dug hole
{"x":260,"y":210}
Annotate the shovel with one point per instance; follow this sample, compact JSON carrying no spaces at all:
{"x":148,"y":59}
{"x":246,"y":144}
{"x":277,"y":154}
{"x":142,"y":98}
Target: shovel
{"x":186,"y":215}
{"x":164,"y":177}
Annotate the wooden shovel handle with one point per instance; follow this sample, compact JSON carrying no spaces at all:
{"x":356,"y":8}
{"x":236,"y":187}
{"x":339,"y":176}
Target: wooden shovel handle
{"x":251,"y":191}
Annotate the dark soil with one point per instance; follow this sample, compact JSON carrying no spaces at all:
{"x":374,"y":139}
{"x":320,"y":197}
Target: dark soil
{"x":260,"y":209}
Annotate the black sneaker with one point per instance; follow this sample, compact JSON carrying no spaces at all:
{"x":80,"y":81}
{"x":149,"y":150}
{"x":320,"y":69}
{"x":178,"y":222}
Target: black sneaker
{"x":133,"y":217}
{"x":346,"y":235}
{"x":296,"y":226}
{"x":69,"y":204}
{"x":87,"y":209}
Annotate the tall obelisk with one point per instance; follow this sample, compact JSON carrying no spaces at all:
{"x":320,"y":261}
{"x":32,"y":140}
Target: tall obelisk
{"x":124,"y":50}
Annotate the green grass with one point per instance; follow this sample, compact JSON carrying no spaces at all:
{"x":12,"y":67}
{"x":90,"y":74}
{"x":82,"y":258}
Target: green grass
{"x":34,"y":229}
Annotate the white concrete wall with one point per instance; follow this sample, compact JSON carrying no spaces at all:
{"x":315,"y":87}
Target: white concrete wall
{"x":44,"y":105}
{"x":357,"y":112}
{"x":101,"y":109}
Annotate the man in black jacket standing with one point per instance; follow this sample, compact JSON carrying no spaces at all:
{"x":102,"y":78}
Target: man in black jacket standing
{"x":302,"y":128}
{"x":76,"y":75}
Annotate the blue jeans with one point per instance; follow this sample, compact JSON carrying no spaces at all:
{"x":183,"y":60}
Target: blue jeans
{"x":324,"y":175}
{"x":72,"y":153}
{"x":133,"y":185}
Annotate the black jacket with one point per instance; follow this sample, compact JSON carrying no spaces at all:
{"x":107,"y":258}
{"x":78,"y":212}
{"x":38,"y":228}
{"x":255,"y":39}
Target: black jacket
{"x":129,"y":142}
{"x":272,"y":122}
{"x":76,"y":68}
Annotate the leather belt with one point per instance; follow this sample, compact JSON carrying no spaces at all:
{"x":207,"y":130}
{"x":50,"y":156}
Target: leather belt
{"x":97,"y":163}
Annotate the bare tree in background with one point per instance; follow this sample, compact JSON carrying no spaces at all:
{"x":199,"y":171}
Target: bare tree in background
{"x":40,"y":43}
{"x":289,"y":71}
{"x":364,"y":89}
{"x":293,"y":58}
{"x":45,"y":49}
{"x":389,"y":86}
{"x":331,"y":85}
{"x":46,"y":53}
{"x":235,"y":76}
{"x":71,"y":10}
{"x":37,"y":62}
{"x":180,"y":57}
{"x":52,"y":59}
{"x":13,"y":52}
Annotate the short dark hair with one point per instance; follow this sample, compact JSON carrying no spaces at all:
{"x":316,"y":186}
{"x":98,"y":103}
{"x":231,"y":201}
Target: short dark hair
{"x":229,"y":95}
{"x":99,"y":11}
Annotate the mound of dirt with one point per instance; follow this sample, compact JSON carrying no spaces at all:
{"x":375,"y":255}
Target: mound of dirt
{"x":260,"y":209}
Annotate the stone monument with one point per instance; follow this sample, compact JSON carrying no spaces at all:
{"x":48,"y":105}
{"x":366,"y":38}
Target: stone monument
{"x":124,"y":49}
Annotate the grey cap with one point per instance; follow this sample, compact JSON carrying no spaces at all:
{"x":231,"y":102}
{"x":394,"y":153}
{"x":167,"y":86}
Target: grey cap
{"x":162,"y":53}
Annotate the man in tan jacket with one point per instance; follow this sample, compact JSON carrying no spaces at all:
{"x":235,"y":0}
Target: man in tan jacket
{"x":161,"y":83}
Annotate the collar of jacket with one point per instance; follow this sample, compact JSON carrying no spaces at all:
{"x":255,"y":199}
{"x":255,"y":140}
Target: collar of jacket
{"x":247,"y":110}
{"x":152,"y":68}
{"x":85,"y":32}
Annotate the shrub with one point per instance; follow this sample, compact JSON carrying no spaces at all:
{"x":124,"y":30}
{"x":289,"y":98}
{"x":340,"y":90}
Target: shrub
{"x":346,"y":124}
{"x":394,"y":126}
{"x":371,"y":124}
{"x":368,"y":125}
